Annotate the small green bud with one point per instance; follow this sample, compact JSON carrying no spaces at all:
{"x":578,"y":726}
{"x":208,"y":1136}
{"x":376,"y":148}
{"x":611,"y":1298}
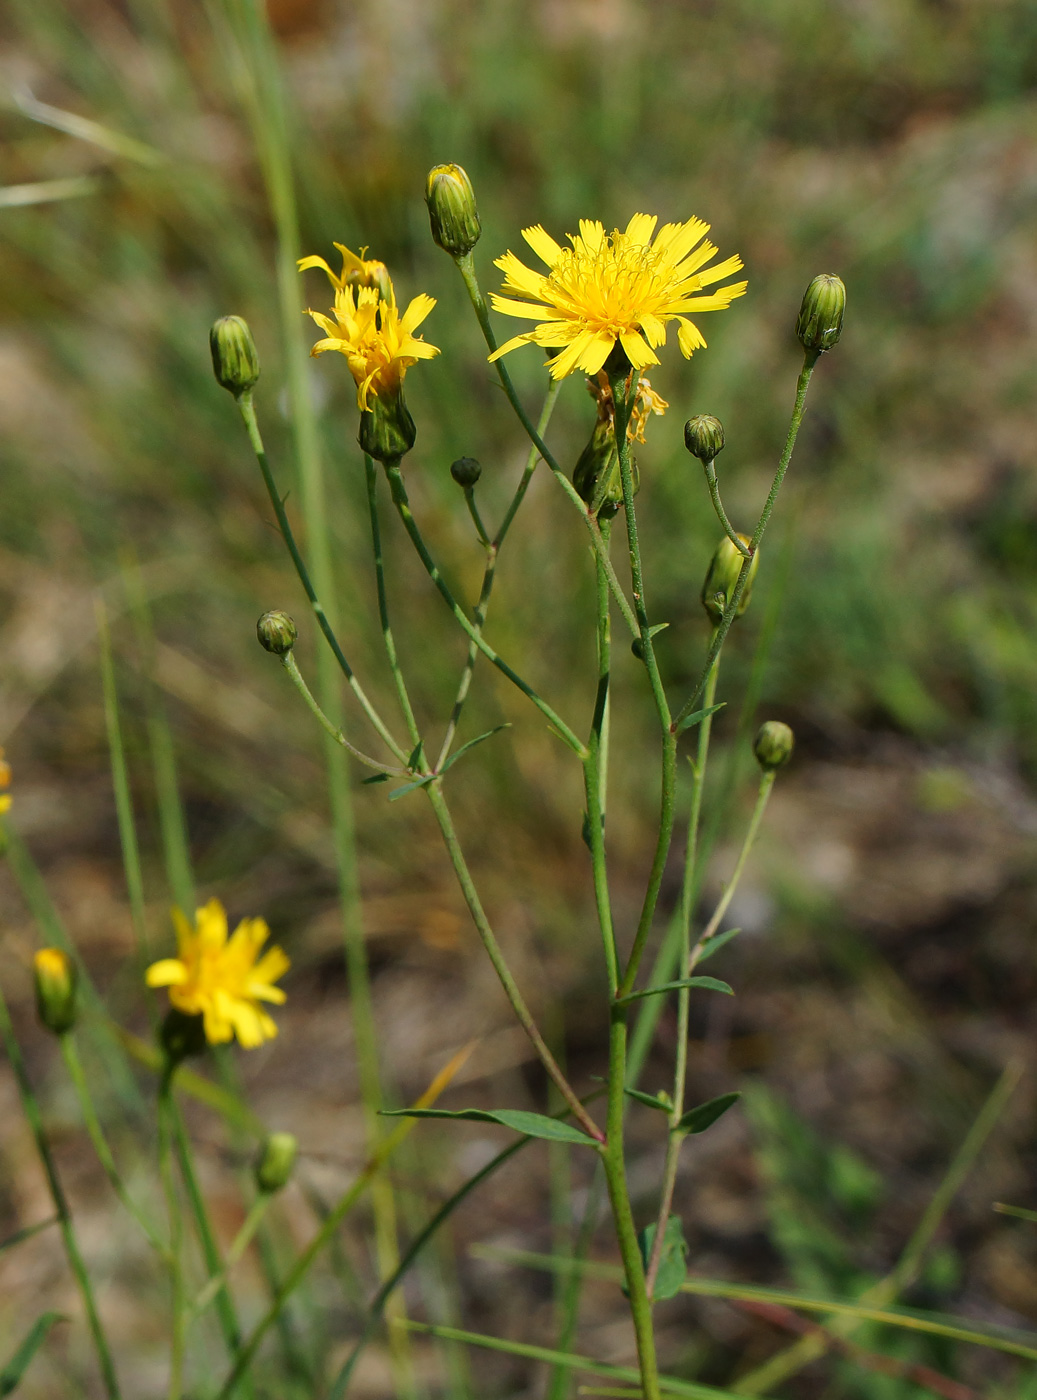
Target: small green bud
{"x":277,"y":632}
{"x":704,"y":437}
{"x":181,"y":1035}
{"x":275,"y":1162}
{"x":387,"y":430}
{"x":466,"y":471}
{"x":773,"y":745}
{"x":451,"y":209}
{"x":820,"y":321}
{"x":235,"y":359}
{"x":56,"y":975}
{"x":597,"y":476}
{"x":722,"y":576}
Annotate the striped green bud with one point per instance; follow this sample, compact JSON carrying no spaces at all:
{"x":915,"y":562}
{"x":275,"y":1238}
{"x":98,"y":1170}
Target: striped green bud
{"x":452,"y":212}
{"x":277,"y":632}
{"x":704,"y":437}
{"x":275,"y":1162}
{"x":722,"y":577}
{"x":235,"y":359}
{"x":820,"y":321}
{"x":773,"y":745}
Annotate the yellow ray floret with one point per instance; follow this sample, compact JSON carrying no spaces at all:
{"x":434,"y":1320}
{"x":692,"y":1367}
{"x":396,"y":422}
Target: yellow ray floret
{"x":220,"y":978}
{"x":5,"y":783}
{"x":365,"y":325}
{"x":614,"y":288}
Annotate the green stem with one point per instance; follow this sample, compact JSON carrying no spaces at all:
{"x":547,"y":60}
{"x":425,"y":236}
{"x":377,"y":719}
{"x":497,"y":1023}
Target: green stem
{"x":619,"y":1199}
{"x":561,"y":1377}
{"x":383,"y":605}
{"x":500,"y":966}
{"x":680,"y":1070}
{"x":248,"y":414}
{"x":595,"y":775}
{"x":31,"y":1109}
{"x":74,"y":1066}
{"x":766,"y":783}
{"x":466,"y":266}
{"x":477,"y":520}
{"x":718,"y":506}
{"x":622,"y":398}
{"x":402,"y":504}
{"x":291,"y":666}
{"x":731,"y":611}
{"x":236,"y":1249}
{"x":178,"y":1327}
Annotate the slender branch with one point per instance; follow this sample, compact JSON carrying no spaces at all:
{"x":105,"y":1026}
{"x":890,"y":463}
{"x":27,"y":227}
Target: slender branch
{"x":766,"y":783}
{"x":718,"y":506}
{"x":291,"y":666}
{"x":595,"y":775}
{"x":402,"y":504}
{"x":237,"y":1248}
{"x":388,"y":639}
{"x":248,"y":413}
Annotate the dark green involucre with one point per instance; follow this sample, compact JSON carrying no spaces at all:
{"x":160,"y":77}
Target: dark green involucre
{"x":277,"y":632}
{"x":466,"y":471}
{"x":387,"y":430}
{"x":704,"y":437}
{"x":773,"y":745}
{"x":452,"y":211}
{"x":820,"y":321}
{"x":235,"y":359}
{"x":722,"y":578}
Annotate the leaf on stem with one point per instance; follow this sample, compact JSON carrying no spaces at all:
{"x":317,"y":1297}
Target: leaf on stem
{"x":697,"y":1120}
{"x":697,"y":716}
{"x":714,"y":944}
{"x":672,"y":1261}
{"x":708,"y":984}
{"x":374,"y":778}
{"x":661,"y":1101}
{"x":472,"y":743}
{"x":12,"y":1373}
{"x":412,"y":787}
{"x":536,"y":1125}
{"x":26,"y":1234}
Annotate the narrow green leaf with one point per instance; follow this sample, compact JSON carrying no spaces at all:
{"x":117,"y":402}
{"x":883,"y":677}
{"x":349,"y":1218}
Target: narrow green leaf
{"x":26,"y":1234}
{"x":708,"y":984}
{"x":659,"y":627}
{"x":697,"y":716}
{"x":1001,"y":1208}
{"x":717,"y":942}
{"x":531,"y":1124}
{"x":697,"y":1120}
{"x":672,"y":1261}
{"x":417,"y":755}
{"x":411,"y":787}
{"x":374,"y":778}
{"x":663,"y":1102}
{"x":12,"y":1373}
{"x":472,"y":743}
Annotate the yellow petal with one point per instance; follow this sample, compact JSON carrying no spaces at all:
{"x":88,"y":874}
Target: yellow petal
{"x":677,"y":240}
{"x":689,"y":337}
{"x":640,"y":228}
{"x":593,"y":234}
{"x":417,"y":311}
{"x":638,"y":353}
{"x":569,"y":359}
{"x":718,"y":301}
{"x":168,"y":972}
{"x":211,"y":924}
{"x":304,"y":264}
{"x":724,"y":269}
{"x":527,"y":310}
{"x":597,"y":352}
{"x":512,"y":344}
{"x":542,"y":244}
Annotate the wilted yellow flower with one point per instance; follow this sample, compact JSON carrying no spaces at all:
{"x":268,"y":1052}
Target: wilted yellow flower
{"x":614,"y":288}
{"x":646,"y":402}
{"x":379,"y":344}
{"x":5,"y":783}
{"x":219,"y":978}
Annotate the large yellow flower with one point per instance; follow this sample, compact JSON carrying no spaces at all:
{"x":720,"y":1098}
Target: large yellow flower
{"x":618,"y":287}
{"x":219,"y":978}
{"x":379,"y":344}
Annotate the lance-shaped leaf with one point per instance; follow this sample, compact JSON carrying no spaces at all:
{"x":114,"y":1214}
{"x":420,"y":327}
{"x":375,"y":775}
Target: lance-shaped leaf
{"x":697,"y":1120}
{"x":536,"y":1125}
{"x":697,"y":716}
{"x":12,"y":1373}
{"x":707,"y":984}
{"x":661,"y":1101}
{"x":714,"y":944}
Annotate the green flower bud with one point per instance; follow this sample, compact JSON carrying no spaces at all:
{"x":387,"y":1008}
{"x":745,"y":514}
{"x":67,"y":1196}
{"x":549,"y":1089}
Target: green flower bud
{"x":235,"y":359}
{"x":55,"y":975}
{"x":597,"y":476}
{"x":722,"y":576}
{"x":181,"y":1035}
{"x":277,"y":632}
{"x":820,"y":321}
{"x":773,"y":745}
{"x":387,"y":430}
{"x":275,"y":1162}
{"x":466,"y":471}
{"x":704,"y":437}
{"x":451,"y":209}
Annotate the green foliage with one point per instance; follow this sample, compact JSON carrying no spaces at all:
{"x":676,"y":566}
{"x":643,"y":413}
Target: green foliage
{"x":531,"y":1124}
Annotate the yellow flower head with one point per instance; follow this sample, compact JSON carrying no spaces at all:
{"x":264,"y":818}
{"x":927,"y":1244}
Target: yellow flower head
{"x":219,"y":978}
{"x":379,"y":344}
{"x":5,"y":783}
{"x":614,"y":288}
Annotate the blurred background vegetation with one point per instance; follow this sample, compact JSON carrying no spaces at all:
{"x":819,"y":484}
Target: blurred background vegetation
{"x":887,"y":973}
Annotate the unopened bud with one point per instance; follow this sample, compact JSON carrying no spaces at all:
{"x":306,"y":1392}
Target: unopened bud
{"x":821,"y":316}
{"x":451,"y":209}
{"x":277,"y":632}
{"x":55,"y":975}
{"x":704,"y":437}
{"x":235,"y":359}
{"x":597,"y":475}
{"x":275,"y":1162}
{"x":722,"y":577}
{"x":773,"y":745}
{"x":466,"y":471}
{"x":387,"y":430}
{"x":181,"y":1035}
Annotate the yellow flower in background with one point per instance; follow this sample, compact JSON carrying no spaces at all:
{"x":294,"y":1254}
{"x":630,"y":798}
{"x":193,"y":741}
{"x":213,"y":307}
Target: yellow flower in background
{"x":219,"y":978}
{"x":617,"y":288}
{"x":5,"y":783}
{"x":379,"y":344}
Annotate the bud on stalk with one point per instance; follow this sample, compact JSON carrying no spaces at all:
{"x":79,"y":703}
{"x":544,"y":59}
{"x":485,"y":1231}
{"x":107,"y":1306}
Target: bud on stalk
{"x":722,"y":578}
{"x":820,"y":320}
{"x":277,"y":632}
{"x":773,"y":745}
{"x":704,"y":437}
{"x":235,"y":359}
{"x":275,"y":1162}
{"x":452,"y":212}
{"x":466,"y":471}
{"x":55,"y":975}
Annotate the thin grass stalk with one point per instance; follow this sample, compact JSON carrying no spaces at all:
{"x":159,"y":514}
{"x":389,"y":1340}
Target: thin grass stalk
{"x":178,"y":1294}
{"x":31,"y":1109}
